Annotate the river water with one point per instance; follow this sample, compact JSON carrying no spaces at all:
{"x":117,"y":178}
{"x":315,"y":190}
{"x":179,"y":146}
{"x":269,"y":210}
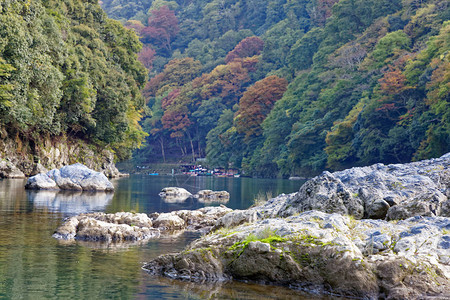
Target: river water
{"x":33,"y":265}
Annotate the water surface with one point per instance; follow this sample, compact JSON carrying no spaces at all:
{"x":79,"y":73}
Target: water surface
{"x":33,"y":265}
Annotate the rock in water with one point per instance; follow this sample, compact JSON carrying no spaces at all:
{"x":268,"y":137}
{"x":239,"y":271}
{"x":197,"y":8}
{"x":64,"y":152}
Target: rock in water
{"x":324,"y":253}
{"x":174,"y":194}
{"x":116,"y":227}
{"x":126,"y":226}
{"x":74,"y":177}
{"x":396,"y":191}
{"x":206,"y":196}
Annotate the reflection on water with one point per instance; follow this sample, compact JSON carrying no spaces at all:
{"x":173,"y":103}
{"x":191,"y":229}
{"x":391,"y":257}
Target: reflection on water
{"x":233,"y":290}
{"x":175,"y":199}
{"x":33,"y":265}
{"x":70,"y":202}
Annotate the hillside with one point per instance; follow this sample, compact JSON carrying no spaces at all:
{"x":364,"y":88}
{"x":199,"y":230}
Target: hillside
{"x":70,"y":84}
{"x":280,"y":87}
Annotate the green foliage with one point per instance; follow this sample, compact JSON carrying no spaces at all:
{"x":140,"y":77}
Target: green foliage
{"x":368,"y":82}
{"x":69,"y":70}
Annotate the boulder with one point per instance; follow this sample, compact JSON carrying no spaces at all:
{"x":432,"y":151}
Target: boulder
{"x":9,"y":170}
{"x":206,"y":196}
{"x":74,"y":177}
{"x":107,"y":227}
{"x":236,"y":217}
{"x":169,"y":222}
{"x":204,"y":218}
{"x":174,"y":194}
{"x":396,"y":191}
{"x":323,"y":253}
{"x":41,"y":182}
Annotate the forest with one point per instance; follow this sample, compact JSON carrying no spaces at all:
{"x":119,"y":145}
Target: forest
{"x":67,"y":70}
{"x":272,"y":87}
{"x":293,"y":87}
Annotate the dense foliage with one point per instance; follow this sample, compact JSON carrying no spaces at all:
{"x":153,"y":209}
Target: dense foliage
{"x":66,"y":69}
{"x":368,"y":81}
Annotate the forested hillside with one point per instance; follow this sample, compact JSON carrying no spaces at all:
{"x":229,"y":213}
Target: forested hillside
{"x":67,"y":73}
{"x":284,"y":87}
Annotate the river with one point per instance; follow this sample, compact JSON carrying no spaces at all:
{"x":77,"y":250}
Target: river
{"x":33,"y":265}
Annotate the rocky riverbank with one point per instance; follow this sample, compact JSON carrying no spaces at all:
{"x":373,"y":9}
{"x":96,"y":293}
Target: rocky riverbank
{"x":126,"y":226}
{"x":383,"y":232}
{"x":20,"y":158}
{"x":345,"y":249}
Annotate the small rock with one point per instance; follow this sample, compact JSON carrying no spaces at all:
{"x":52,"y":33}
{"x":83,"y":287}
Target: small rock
{"x":174,"y":194}
{"x":259,"y":247}
{"x":169,"y":221}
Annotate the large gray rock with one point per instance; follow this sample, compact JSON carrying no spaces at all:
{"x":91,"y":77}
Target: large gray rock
{"x":74,"y":177}
{"x":396,"y":191}
{"x":9,"y":170}
{"x":107,"y":227}
{"x":324,"y":253}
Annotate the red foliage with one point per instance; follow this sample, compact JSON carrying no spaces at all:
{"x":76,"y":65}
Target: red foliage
{"x":162,"y":27}
{"x":170,"y":99}
{"x":256,"y":103}
{"x":176,"y":119}
{"x":152,"y":86}
{"x":386,"y":107}
{"x":146,"y":57}
{"x":393,"y":82}
{"x":249,"y":46}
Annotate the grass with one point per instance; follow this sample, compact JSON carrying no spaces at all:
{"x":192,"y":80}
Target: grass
{"x":267,"y":235}
{"x":262,"y":198}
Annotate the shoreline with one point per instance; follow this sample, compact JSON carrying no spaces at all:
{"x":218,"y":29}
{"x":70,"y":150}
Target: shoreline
{"x":330,"y":237}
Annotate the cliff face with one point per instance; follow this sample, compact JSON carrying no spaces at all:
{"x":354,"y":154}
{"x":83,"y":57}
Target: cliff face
{"x":21,"y":157}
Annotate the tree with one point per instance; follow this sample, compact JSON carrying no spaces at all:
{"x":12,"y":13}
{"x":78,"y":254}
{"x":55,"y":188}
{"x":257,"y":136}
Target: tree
{"x":176,"y":73}
{"x":5,"y":89}
{"x":146,"y":57}
{"x":162,"y":28}
{"x":249,"y":46}
{"x":256,"y":103}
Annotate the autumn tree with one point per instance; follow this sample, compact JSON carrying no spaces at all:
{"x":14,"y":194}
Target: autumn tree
{"x":249,"y":46}
{"x":256,"y":103}
{"x":146,"y":57}
{"x":176,"y":73}
{"x":162,"y":28}
{"x":135,"y":25}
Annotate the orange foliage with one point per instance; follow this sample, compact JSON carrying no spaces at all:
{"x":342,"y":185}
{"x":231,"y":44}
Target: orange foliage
{"x":256,"y":103}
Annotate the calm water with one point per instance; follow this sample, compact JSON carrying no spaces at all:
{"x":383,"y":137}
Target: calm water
{"x":33,"y":265}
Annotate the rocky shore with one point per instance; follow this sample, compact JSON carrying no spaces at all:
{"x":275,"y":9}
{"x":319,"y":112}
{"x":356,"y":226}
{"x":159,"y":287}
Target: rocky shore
{"x":23,"y":158}
{"x":126,"y":226}
{"x":378,"y":232}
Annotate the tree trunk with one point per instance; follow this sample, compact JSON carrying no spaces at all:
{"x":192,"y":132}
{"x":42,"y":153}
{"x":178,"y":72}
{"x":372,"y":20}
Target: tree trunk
{"x":192,"y":147}
{"x":161,"y":142}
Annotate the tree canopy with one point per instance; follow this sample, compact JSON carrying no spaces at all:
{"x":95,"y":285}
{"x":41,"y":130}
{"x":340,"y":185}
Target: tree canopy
{"x":279,"y":87}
